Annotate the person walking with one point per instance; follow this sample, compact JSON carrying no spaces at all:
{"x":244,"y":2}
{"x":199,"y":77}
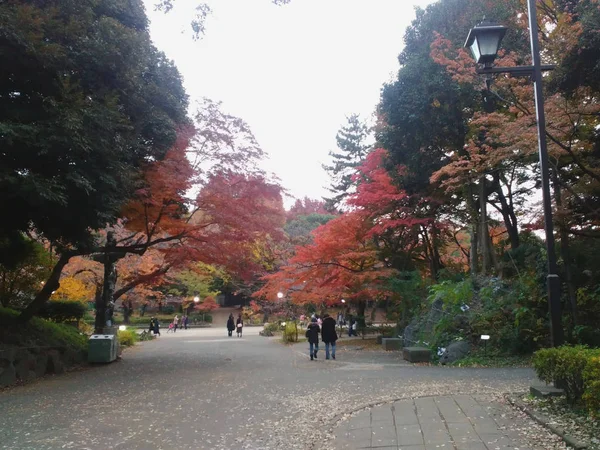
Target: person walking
{"x":175,"y":323}
{"x":351,"y":326}
{"x":329,"y":335}
{"x":312,"y":333}
{"x":230,"y":325}
{"x":154,"y":326}
{"x":239,"y":326}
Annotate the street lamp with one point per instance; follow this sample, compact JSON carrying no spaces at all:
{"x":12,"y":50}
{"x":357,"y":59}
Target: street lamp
{"x":196,"y":299}
{"x":482,"y":40}
{"x":280,"y":295}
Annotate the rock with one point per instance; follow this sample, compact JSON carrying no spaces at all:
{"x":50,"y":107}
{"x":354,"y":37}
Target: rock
{"x":8,"y":354}
{"x":41,"y":364}
{"x":416,"y":354}
{"x":436,"y":312}
{"x":410,"y":332}
{"x":69,"y":357}
{"x":55,"y":364}
{"x":546,"y":391}
{"x":455,"y":351}
{"x":8,"y":375}
{"x":392,"y":344}
{"x":24,"y":364}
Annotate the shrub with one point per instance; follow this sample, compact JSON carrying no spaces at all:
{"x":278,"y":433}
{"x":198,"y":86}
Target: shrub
{"x":591,"y":378}
{"x":290,"y":332}
{"x":566,"y":365}
{"x":169,"y":309}
{"x":127,"y":338}
{"x":271,"y":327}
{"x":39,"y":332}
{"x":62,"y":311}
{"x":145,"y":336}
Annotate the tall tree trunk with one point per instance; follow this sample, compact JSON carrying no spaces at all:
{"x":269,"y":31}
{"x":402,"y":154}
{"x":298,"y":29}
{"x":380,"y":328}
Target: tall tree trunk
{"x":473,"y":231}
{"x":508,"y":214}
{"x":486,"y":262}
{"x":564,"y":247}
{"x":51,"y":285}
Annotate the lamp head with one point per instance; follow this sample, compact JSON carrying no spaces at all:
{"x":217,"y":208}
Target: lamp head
{"x":484,"y":41}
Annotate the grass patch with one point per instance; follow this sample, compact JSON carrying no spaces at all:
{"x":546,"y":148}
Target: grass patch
{"x":39,"y":332}
{"x":480,"y":359}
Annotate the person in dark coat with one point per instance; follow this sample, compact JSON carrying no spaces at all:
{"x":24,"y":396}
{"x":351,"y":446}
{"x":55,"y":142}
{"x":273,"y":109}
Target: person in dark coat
{"x":329,"y":335}
{"x":230,"y":325}
{"x":154,"y":326}
{"x":312,"y":333}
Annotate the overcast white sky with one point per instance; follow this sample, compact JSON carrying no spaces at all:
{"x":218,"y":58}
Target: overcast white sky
{"x":292,"y":72}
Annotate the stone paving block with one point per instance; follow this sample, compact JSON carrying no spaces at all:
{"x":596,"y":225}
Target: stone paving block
{"x":406,"y":419}
{"x":436,"y":438}
{"x":462,"y":432}
{"x":409,"y":435}
{"x":471,"y":446}
{"x":470,"y":407}
{"x":385,"y":430}
{"x":450,"y":410}
{"x":431,"y":428}
{"x":485,"y":426}
{"x":497,"y":442}
{"x":383,"y":442}
{"x":412,"y":447}
{"x":379,"y":414}
{"x":427,"y":410}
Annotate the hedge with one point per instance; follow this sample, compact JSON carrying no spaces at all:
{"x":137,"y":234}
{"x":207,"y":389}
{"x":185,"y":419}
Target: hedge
{"x":62,"y":311}
{"x":575,"y":369}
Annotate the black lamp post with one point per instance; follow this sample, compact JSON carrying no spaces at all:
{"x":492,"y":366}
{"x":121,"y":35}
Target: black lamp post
{"x":484,"y":42}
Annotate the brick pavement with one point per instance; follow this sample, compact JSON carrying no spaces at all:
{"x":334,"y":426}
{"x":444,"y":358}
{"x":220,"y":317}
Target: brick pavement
{"x":458,"y":422}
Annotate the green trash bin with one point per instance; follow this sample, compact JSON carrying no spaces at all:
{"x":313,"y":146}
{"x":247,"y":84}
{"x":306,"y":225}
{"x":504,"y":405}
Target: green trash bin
{"x":102,"y":348}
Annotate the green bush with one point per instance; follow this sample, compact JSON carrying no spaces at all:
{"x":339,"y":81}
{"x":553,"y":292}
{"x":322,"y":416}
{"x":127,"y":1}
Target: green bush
{"x":39,"y":332}
{"x":566,"y":366}
{"x":127,"y":338}
{"x":169,"y":309}
{"x":591,"y":378}
{"x":62,"y":311}
{"x":290,"y":332}
{"x":271,"y":327}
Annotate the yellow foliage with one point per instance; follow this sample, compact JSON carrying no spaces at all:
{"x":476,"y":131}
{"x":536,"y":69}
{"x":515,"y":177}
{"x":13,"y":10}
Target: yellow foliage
{"x":73,"y":289}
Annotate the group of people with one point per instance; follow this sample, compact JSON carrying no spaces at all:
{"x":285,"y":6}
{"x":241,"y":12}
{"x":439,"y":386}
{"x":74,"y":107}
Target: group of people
{"x":176,"y":323}
{"x":238,"y":325}
{"x":326,"y":328}
{"x":179,"y":323}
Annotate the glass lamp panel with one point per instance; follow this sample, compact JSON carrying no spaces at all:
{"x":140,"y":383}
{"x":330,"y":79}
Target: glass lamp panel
{"x":475,"y":50}
{"x":489,"y":43}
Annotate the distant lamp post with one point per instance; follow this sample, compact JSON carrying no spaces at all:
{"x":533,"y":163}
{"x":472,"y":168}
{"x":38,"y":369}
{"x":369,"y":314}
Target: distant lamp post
{"x":484,"y":42}
{"x":280,"y":295}
{"x":196,"y":299}
{"x":343,"y":301}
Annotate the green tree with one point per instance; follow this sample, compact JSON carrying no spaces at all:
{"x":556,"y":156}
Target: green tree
{"x":85,"y":100}
{"x":21,"y":279}
{"x":353,"y":147}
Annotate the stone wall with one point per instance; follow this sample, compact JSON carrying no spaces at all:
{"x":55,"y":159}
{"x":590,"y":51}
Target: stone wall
{"x":27,"y":364}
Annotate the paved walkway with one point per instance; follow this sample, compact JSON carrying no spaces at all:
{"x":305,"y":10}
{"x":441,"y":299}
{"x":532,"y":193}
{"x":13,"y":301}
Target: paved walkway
{"x":460,"y":422}
{"x":199,"y":389}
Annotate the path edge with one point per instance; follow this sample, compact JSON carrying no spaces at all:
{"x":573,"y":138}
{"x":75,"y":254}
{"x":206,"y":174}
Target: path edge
{"x":545,"y":422}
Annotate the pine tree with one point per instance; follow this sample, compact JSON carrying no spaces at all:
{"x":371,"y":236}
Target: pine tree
{"x":351,"y":141}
